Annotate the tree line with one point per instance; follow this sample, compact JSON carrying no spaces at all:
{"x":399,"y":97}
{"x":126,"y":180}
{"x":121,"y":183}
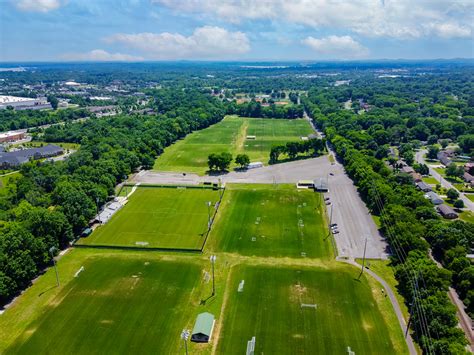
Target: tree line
{"x":313,"y":147}
{"x":50,"y":203}
{"x":408,"y":221}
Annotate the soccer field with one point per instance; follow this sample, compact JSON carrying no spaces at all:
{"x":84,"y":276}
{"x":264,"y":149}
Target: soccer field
{"x":116,"y":305}
{"x":297,"y":310}
{"x":268,"y":220}
{"x":174,"y":218}
{"x":229,"y":135}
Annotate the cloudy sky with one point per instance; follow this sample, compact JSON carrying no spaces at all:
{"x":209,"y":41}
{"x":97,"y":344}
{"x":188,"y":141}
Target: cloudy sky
{"x":135,"y":30}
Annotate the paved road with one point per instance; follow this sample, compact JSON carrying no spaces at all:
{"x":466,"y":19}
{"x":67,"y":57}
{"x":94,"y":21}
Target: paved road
{"x":419,"y":157}
{"x":348,"y":210}
{"x":395,"y":304}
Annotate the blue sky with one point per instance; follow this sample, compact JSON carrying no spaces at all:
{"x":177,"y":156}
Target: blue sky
{"x":135,"y":30}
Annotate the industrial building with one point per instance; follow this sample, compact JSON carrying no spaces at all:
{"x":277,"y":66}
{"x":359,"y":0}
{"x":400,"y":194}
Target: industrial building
{"x":23,"y":103}
{"x":12,"y":136}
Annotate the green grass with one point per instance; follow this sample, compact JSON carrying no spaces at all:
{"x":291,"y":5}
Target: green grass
{"x":269,"y":308}
{"x":161,"y":217}
{"x":229,"y":135}
{"x":430,"y":180}
{"x":116,"y":305}
{"x":8,"y":179}
{"x":267,"y":220}
{"x":386,"y":272}
{"x":470,"y":197}
{"x":74,"y":146}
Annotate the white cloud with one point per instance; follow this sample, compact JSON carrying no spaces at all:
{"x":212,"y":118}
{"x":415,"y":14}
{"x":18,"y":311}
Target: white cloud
{"x":99,"y":55}
{"x":374,"y":18}
{"x":336,"y":46}
{"x":449,"y":30}
{"x":204,"y":42}
{"x":38,"y":5}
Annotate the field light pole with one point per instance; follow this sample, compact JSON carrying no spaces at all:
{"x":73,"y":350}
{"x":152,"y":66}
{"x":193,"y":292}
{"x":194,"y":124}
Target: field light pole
{"x":185,"y":335}
{"x":213,"y":260}
{"x":51,"y":250}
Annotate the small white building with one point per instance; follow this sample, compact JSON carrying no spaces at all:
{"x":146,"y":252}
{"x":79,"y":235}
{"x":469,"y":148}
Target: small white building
{"x":254,"y":165}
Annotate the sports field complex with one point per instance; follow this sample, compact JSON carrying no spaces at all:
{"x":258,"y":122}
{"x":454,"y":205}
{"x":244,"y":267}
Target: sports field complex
{"x":138,"y":280}
{"x":235,"y":135}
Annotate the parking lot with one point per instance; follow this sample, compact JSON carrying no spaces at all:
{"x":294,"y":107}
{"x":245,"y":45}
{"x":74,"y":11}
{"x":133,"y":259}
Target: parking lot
{"x":354,"y":222}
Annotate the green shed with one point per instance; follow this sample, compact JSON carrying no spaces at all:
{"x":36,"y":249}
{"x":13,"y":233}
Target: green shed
{"x":203,"y":327}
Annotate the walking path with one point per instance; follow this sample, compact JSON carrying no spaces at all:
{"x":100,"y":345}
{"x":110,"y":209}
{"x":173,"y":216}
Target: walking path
{"x":393,"y":299}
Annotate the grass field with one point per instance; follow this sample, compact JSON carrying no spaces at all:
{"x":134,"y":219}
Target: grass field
{"x":267,"y":220}
{"x":8,"y":179}
{"x":430,"y":180}
{"x":269,"y":308}
{"x":229,"y":135}
{"x":162,"y":217}
{"x":116,"y":305}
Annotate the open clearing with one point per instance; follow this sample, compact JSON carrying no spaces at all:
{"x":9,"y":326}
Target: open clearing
{"x":230,"y":135}
{"x":270,"y":308}
{"x":172,"y":218}
{"x":272,"y":220}
{"x":116,"y":305}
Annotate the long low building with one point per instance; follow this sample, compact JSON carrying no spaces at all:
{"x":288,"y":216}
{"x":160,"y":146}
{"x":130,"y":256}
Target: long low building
{"x":12,"y":136}
{"x":14,"y":159}
{"x":23,"y":103}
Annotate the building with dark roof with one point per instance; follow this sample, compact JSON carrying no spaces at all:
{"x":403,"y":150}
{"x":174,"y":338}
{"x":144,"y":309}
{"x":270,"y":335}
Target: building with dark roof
{"x":423,"y":186}
{"x":14,"y":159}
{"x":447,"y":212}
{"x":434,"y":198}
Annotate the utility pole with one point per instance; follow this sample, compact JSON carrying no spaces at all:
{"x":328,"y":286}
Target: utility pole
{"x":209,"y":203}
{"x":185,"y":335}
{"x":363,"y":260}
{"x":213,"y":260}
{"x":412,"y":304}
{"x":51,"y":250}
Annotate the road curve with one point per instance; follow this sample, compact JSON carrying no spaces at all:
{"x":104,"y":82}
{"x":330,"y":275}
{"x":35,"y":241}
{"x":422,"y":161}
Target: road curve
{"x":393,"y":300}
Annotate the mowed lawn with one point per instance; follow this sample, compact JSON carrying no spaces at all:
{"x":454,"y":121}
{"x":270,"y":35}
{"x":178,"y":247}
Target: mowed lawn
{"x":174,"y":218}
{"x":271,"y":220}
{"x":229,"y":135}
{"x":270,"y":308}
{"x":117,"y":305}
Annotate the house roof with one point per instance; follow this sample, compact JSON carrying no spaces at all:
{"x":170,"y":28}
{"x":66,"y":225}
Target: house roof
{"x":446,"y":210}
{"x":433,"y":196}
{"x":468,"y":177}
{"x":204,"y":324}
{"x":423,"y":185}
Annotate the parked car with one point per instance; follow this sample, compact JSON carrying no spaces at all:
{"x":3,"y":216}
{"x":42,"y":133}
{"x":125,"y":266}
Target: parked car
{"x":328,"y":203}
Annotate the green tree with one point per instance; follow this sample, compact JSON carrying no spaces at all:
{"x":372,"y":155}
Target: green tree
{"x":452,"y":194}
{"x":242,"y":160}
{"x":53,"y":100}
{"x":454,"y":171}
{"x":458,"y":204}
{"x":432,"y":152}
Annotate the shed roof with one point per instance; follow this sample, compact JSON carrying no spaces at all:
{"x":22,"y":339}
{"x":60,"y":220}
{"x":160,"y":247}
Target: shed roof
{"x":321,"y":184}
{"x":204,"y":324}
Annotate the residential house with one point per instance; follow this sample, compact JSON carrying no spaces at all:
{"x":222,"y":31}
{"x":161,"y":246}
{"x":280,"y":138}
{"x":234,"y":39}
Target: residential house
{"x":447,"y":212}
